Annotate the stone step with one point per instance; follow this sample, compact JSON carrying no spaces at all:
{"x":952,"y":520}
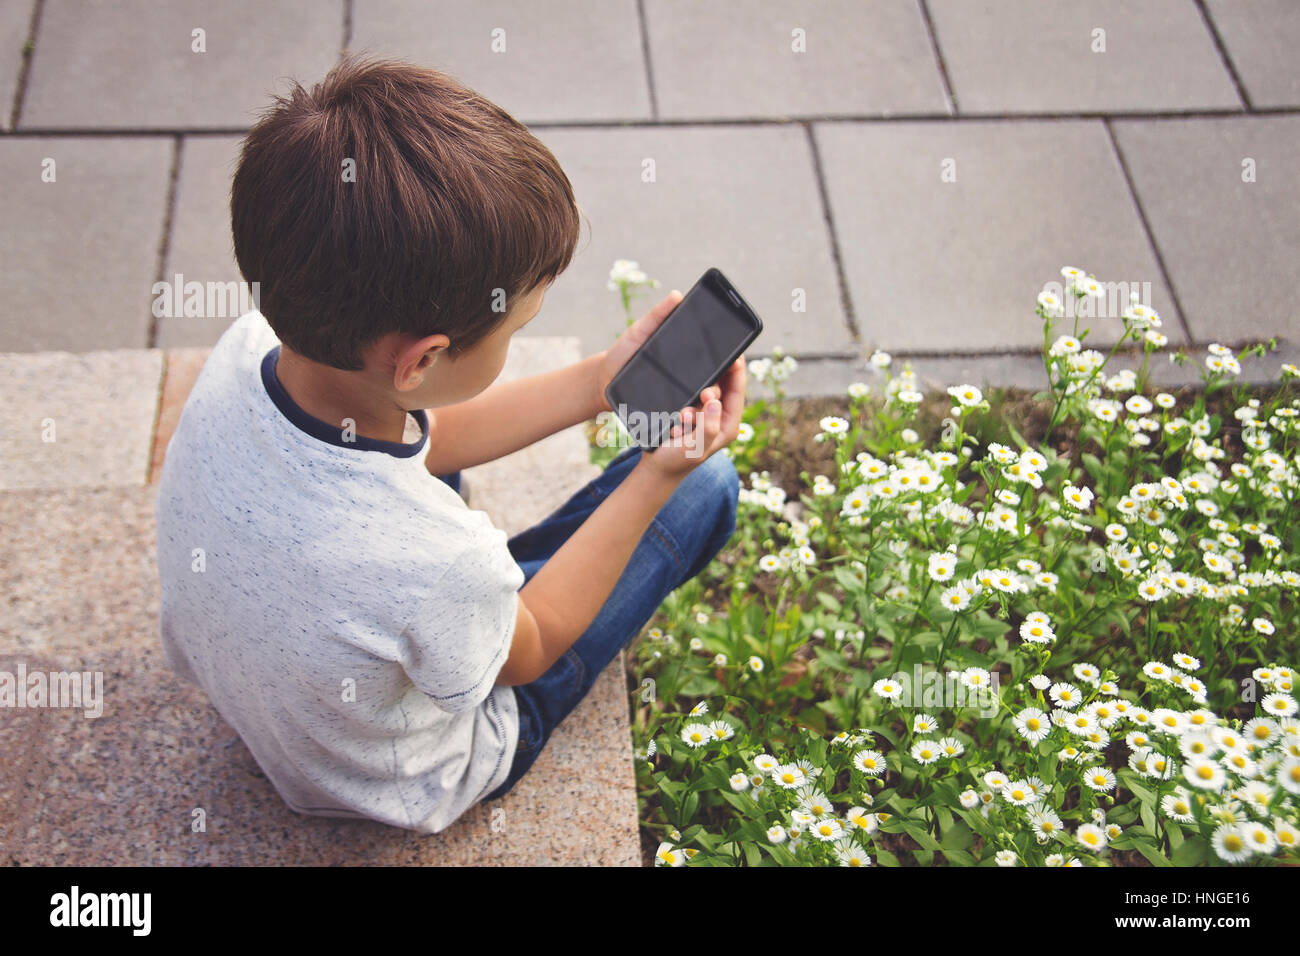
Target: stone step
{"x":81,"y":441}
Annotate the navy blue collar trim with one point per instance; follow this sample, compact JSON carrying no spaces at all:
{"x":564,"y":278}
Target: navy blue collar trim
{"x":332,"y":434}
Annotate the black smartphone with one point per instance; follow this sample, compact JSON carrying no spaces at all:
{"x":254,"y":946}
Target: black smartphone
{"x":709,"y":329}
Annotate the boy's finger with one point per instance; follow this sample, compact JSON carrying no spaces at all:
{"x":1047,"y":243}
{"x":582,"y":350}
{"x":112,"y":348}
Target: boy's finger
{"x":733,"y":392}
{"x":643,"y":326}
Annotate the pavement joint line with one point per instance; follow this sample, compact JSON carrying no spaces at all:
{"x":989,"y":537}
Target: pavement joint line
{"x":157,"y":417}
{"x":949,"y":95}
{"x":168,"y":222}
{"x":960,"y":118}
{"x":846,"y":300}
{"x":24,"y":71}
{"x":1219,"y":45}
{"x":347,"y":28}
{"x":1150,"y":233}
{"x":647,"y":59}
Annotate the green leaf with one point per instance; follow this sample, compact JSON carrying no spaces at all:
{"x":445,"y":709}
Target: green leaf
{"x":1151,"y":852}
{"x":1015,"y":435}
{"x":957,"y":837}
{"x":1194,"y":851}
{"x":689,"y":806}
{"x":1093,"y":465}
{"x":920,"y":835}
{"x":829,"y":602}
{"x":1148,"y":819}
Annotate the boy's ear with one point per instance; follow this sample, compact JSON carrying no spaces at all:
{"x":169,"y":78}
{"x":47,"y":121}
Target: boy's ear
{"x":417,"y":358}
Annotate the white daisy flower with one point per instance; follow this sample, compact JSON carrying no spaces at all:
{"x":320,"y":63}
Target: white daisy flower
{"x":1288,"y":774}
{"x":1204,"y":774}
{"x":925,"y":752}
{"x":696,"y":735}
{"x":789,"y":777}
{"x":1032,"y":724}
{"x":1278,"y":705}
{"x":870,"y":762}
{"x":1066,"y":695}
{"x":776,"y":834}
{"x":668,"y":855}
{"x":1091,"y":837}
{"x":955,"y":598}
{"x":887,"y":688}
{"x":1229,"y":843}
{"x":1018,"y":793}
{"x":1100,"y":779}
{"x":1178,"y":806}
{"x":766,"y":763}
{"x":1047,"y":825}
{"x":826,"y":830}
{"x":995,"y":780}
{"x":951,"y":747}
{"x":924,"y":724}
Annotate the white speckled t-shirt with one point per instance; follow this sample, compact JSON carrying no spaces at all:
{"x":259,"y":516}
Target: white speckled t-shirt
{"x":342,"y":608}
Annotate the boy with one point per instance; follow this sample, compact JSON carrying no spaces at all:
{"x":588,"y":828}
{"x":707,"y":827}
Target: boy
{"x":384,"y":651}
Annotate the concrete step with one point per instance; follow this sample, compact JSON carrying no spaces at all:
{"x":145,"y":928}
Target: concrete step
{"x":81,"y":441}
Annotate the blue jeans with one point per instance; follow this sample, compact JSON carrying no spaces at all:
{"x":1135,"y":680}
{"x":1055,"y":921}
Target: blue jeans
{"x":682,"y":539}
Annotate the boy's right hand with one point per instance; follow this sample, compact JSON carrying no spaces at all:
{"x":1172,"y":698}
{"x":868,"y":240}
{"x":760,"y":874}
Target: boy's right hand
{"x":705,"y":428}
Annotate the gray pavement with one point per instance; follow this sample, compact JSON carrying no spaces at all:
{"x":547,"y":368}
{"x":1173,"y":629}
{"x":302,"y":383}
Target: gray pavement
{"x":913,"y":170}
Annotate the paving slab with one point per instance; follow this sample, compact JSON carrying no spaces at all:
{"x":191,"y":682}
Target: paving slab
{"x":1036,"y":56}
{"x":561,"y":61}
{"x":133,"y":64}
{"x":77,"y":420}
{"x":1231,"y":247}
{"x":497,"y":483}
{"x":1262,"y":38}
{"x":122,"y":788}
{"x":80,"y":252}
{"x":15,"y":22}
{"x":201,"y":247}
{"x":767,"y":58}
{"x":744,"y":199}
{"x":181,"y":368}
{"x":955,"y":266}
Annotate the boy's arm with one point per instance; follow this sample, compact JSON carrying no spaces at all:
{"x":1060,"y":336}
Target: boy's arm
{"x":508,"y":416}
{"x":511,"y":415}
{"x":562,"y":599}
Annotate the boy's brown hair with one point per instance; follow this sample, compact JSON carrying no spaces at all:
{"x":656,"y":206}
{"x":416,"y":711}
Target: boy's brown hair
{"x":454,"y":211}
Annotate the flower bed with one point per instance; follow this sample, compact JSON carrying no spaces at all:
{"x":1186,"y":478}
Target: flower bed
{"x":955,"y":645}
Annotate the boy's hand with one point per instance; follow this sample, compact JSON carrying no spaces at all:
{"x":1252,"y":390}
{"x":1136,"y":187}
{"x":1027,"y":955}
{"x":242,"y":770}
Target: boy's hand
{"x":616,"y":356}
{"x":705,"y":428}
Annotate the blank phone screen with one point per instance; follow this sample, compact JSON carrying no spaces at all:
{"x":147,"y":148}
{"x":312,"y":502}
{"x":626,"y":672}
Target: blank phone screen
{"x":684,"y":355}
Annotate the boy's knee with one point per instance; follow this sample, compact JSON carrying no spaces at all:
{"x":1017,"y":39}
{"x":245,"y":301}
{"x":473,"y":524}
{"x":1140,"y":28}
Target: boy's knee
{"x":722,"y":477}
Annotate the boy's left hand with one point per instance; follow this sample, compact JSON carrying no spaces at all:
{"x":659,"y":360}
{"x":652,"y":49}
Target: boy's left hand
{"x":616,"y":356}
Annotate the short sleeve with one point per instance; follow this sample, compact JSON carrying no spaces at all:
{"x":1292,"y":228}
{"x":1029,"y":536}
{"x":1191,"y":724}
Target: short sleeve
{"x":459,"y":638}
